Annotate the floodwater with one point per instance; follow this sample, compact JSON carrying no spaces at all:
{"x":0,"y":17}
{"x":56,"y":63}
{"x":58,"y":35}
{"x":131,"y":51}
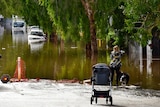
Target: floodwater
{"x":50,"y":61}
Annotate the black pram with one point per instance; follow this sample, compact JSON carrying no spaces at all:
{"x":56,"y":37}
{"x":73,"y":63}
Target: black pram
{"x":101,"y":77}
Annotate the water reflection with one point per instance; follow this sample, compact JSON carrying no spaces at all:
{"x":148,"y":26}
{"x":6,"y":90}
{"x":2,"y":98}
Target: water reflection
{"x":19,"y":36}
{"x":1,"y":30}
{"x":34,"y":47}
{"x":147,"y":71}
{"x":149,"y":58}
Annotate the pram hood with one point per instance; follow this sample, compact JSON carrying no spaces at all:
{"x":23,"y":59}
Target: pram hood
{"x":101,"y":74}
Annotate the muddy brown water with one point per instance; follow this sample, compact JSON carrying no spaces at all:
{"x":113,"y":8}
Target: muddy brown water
{"x":49,"y":61}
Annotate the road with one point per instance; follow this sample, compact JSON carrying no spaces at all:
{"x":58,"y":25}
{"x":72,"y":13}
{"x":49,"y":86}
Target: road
{"x":48,"y":93}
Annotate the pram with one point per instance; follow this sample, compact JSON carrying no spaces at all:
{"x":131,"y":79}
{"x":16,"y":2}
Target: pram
{"x":101,"y":77}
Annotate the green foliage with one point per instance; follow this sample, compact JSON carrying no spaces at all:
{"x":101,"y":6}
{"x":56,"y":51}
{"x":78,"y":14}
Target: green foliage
{"x":69,"y":20}
{"x":145,"y":12}
{"x":103,"y":11}
{"x":9,"y":7}
{"x":35,"y":14}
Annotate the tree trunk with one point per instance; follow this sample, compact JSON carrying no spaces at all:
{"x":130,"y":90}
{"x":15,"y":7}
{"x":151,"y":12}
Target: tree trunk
{"x":88,"y":50}
{"x":54,"y":38}
{"x":90,"y":14}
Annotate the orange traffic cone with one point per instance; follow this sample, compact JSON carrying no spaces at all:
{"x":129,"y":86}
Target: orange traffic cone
{"x":19,"y":74}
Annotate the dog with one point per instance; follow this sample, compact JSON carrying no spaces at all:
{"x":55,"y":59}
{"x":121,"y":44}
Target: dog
{"x":124,"y":78}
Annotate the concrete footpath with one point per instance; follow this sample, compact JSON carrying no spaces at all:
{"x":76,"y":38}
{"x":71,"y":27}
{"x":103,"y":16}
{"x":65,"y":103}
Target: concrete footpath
{"x":48,"y":93}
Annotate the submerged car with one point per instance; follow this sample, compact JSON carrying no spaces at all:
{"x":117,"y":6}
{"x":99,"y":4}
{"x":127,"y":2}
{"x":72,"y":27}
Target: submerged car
{"x":36,"y":35}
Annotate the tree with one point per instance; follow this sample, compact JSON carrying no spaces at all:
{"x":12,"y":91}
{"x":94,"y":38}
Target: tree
{"x":81,"y":18}
{"x":7,"y":7}
{"x":89,"y":9}
{"x":141,"y":17}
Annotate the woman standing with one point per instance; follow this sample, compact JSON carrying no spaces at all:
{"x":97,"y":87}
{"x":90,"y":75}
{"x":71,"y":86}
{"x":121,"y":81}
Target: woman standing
{"x":115,"y":63}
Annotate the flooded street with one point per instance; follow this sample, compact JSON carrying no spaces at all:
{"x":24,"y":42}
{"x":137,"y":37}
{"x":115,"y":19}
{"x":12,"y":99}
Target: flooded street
{"x":49,"y":61}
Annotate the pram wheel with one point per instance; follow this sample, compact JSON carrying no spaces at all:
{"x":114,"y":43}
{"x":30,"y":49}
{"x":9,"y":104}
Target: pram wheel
{"x":106,"y":100}
{"x":110,"y":99}
{"x":91,"y":100}
{"x":96,"y":100}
